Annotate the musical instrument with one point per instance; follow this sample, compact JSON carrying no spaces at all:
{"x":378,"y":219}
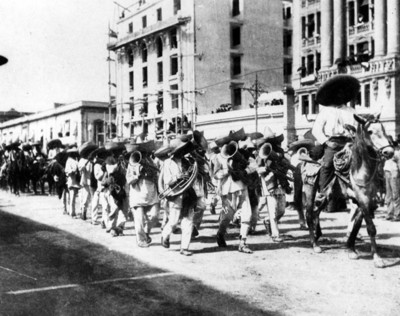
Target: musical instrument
{"x":279,"y":164}
{"x":237,"y":162}
{"x":148,"y":170}
{"x":185,"y":181}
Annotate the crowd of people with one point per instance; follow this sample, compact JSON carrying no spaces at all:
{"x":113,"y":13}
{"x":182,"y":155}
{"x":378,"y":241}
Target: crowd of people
{"x":248,"y":173}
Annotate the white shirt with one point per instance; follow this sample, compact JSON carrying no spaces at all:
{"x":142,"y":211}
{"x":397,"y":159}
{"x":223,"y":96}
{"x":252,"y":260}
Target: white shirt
{"x":331,"y":121}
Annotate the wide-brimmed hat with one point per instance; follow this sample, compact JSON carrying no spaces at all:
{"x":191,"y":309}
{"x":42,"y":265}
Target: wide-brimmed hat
{"x":338,"y":90}
{"x":254,"y":135}
{"x":233,"y":135}
{"x":163,"y":152}
{"x":306,"y":143}
{"x":246,"y":144}
{"x":147,"y":147}
{"x":14,"y":145}
{"x":86,"y":148}
{"x":54,"y":143}
{"x":117,"y":148}
{"x":26,"y":147}
{"x":181,"y":146}
{"x":271,"y":137}
{"x":100,"y":152}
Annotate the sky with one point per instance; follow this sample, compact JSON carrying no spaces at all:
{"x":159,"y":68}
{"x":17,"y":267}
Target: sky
{"x":56,"y":52}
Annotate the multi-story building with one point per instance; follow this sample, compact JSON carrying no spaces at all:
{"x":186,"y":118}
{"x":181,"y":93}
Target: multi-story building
{"x":73,"y":123}
{"x":356,"y":37}
{"x":178,"y":59}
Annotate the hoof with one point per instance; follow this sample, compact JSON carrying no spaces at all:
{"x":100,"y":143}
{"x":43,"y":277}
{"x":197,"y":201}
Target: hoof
{"x":353,"y":255}
{"x":379,"y":262}
{"x":317,"y":249}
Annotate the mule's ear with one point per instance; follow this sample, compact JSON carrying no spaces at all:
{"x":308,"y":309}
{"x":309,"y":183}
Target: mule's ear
{"x":359,"y":119}
{"x":377,"y":117}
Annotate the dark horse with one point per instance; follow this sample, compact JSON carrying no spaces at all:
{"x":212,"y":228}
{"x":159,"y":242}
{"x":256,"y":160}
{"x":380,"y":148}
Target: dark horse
{"x":370,"y":143}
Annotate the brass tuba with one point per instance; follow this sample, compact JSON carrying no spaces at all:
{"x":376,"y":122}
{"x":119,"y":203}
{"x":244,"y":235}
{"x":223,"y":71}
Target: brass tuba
{"x":182,"y":185}
{"x":266,"y":152}
{"x":302,"y":151}
{"x":136,"y":157}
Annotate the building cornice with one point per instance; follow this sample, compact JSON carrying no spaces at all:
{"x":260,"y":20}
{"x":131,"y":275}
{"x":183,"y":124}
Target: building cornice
{"x":55,"y":112}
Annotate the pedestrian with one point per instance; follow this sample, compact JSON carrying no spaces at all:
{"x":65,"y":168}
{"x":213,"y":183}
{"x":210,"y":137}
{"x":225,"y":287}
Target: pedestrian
{"x":392,"y":180}
{"x":142,"y":175}
{"x":114,"y":194}
{"x":173,"y":174}
{"x":73,"y":179}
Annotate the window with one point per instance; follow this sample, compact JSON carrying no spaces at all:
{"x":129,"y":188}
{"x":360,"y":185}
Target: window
{"x":305,"y":107}
{"x":144,"y":76}
{"x":310,"y":25}
{"x":363,"y":11}
{"x":67,"y":126}
{"x":315,"y":105}
{"x":144,"y":53}
{"x":159,"y":14}
{"x":237,"y":96}
{"x":174,"y":65}
{"x":287,"y":68}
{"x":303,"y":27}
{"x":145,"y":106}
{"x":160,"y":102}
{"x":174,"y":96}
{"x":303,"y":68}
{"x":51,"y":133}
{"x":318,"y":23}
{"x":288,"y":12}
{"x":367,"y":95}
{"x":130,"y":57}
{"x":131,"y":84}
{"x":235,"y":36}
{"x":236,"y":65}
{"x":235,"y":7}
{"x":177,"y":6}
{"x":173,"y":38}
{"x":159,"y":45}
{"x":287,"y":39}
{"x":130,"y":27}
{"x":310,"y":64}
{"x":144,"y":21}
{"x":318,"y":62}
{"x":351,"y":13}
{"x":160,"y":76}
{"x":363,"y":53}
{"x":132,"y":106}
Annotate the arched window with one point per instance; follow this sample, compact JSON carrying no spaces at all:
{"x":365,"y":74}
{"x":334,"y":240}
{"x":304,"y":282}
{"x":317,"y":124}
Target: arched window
{"x":159,"y":45}
{"x":144,"y":52}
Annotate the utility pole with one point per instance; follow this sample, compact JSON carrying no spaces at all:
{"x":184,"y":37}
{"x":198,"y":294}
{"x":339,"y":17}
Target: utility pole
{"x":255,"y":90}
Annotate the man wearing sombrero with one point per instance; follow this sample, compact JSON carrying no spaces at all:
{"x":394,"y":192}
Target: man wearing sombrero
{"x":331,"y":127}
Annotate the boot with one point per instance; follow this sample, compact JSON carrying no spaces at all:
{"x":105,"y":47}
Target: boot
{"x":267,"y":225}
{"x":221,"y":240}
{"x":243,"y":247}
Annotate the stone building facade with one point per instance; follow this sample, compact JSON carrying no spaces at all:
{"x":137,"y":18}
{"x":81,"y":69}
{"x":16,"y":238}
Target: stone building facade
{"x":182,"y":58}
{"x":356,"y":37}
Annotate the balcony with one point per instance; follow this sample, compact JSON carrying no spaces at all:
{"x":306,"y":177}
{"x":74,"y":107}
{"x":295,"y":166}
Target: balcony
{"x":361,"y":28}
{"x":372,"y":67}
{"x":307,"y":3}
{"x":157,"y":27}
{"x":311,"y":41}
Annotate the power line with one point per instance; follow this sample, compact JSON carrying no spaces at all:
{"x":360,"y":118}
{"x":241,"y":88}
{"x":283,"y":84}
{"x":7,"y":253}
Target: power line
{"x":244,"y":75}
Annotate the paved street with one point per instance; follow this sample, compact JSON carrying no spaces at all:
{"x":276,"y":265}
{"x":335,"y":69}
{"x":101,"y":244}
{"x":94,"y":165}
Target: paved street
{"x":51,"y":264}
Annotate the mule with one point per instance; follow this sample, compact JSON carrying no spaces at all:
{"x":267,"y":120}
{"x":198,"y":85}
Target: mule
{"x":370,"y":145}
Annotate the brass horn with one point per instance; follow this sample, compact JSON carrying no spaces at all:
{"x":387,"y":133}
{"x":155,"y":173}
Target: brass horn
{"x":229,"y":150}
{"x":136,"y":157}
{"x":302,"y":151}
{"x":266,"y":152}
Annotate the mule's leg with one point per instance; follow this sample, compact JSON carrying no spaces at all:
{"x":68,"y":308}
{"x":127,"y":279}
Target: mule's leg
{"x":371,"y":229}
{"x":351,"y":240}
{"x":310,"y":193}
